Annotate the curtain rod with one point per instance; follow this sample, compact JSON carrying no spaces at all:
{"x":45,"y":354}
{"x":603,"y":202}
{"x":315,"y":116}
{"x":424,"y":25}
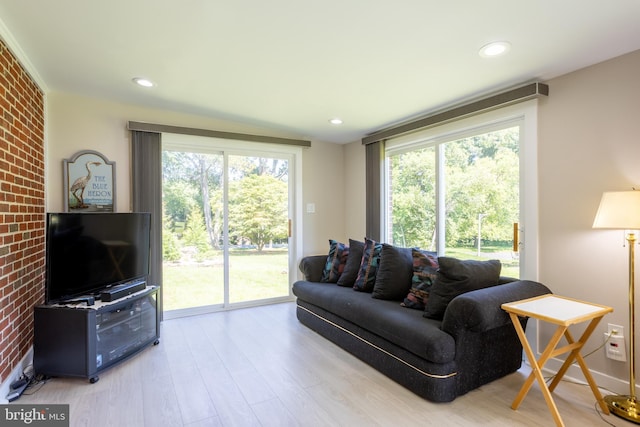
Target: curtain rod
{"x":157,"y":128}
{"x":523,"y":93}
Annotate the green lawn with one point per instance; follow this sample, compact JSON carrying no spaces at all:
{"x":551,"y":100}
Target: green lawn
{"x":255,"y":276}
{"x":252,"y":276}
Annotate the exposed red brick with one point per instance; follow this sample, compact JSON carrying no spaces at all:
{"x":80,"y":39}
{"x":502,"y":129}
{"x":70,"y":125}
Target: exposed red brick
{"x":22,"y":256}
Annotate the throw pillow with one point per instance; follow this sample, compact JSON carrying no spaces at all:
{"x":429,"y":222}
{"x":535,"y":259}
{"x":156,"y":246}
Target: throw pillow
{"x":425,"y":267}
{"x":456,"y":277}
{"x":352,"y":266}
{"x":368,"y":266}
{"x":336,"y":260}
{"x":393,"y":278}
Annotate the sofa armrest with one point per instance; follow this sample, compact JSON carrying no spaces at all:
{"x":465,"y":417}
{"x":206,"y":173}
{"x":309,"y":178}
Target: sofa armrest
{"x":480,"y":310}
{"x":311,"y":267}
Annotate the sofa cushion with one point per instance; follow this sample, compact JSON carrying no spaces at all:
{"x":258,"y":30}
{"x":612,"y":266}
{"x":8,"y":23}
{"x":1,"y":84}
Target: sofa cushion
{"x":352,"y":266}
{"x":425,"y":268}
{"x":311,"y":267}
{"x":405,"y":328}
{"x":368,"y":266}
{"x":395,"y":271}
{"x":456,"y":277}
{"x":336,"y":261}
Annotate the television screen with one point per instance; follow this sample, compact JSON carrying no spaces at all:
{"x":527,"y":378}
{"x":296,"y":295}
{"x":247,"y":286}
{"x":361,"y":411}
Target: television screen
{"x":87,"y":252}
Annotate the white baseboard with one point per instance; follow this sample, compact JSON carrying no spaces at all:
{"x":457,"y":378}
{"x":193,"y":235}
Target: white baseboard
{"x":26,"y":361}
{"x":606,"y":383}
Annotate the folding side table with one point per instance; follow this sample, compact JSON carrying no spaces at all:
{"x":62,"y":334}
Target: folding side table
{"x":562,"y":312}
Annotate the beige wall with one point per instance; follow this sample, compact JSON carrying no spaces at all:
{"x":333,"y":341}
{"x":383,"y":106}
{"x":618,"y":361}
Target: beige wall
{"x":323,"y":185}
{"x":77,"y":123}
{"x":589,"y":142}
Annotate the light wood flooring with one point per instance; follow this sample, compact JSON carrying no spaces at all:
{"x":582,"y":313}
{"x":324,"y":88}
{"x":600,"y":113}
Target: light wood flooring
{"x":261,"y":367}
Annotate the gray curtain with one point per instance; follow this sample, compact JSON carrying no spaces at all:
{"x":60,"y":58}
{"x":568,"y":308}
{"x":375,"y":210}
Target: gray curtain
{"x":146,"y":191}
{"x":374,"y":162}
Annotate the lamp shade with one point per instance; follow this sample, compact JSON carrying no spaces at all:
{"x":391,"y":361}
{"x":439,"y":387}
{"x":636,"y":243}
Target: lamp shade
{"x":619,"y":210}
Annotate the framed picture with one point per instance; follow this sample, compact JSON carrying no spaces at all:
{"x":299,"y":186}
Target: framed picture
{"x":89,"y":184}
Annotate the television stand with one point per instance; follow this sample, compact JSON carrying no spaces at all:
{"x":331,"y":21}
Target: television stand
{"x":83,"y":341}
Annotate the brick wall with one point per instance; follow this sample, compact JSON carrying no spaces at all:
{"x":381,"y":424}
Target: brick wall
{"x":22,"y":209}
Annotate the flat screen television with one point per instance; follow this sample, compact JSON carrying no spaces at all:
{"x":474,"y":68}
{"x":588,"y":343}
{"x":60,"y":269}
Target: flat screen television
{"x":88,"y":252}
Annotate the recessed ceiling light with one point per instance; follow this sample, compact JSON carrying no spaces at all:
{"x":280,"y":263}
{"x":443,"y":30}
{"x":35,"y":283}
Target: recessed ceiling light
{"x":494,"y":49}
{"x":141,"y":81}
{"x":335,"y":121}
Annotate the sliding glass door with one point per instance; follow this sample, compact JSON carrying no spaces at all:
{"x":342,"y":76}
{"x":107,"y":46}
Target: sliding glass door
{"x":193,"y":258}
{"x":458,"y":195}
{"x":258,"y":213}
{"x":226,"y":227}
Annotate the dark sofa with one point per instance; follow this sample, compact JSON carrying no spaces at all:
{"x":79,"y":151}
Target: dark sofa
{"x":473,"y":344}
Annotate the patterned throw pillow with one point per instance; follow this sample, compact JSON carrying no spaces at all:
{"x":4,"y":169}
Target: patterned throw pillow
{"x":369,"y":266}
{"x":336,"y":261}
{"x":425,"y":268}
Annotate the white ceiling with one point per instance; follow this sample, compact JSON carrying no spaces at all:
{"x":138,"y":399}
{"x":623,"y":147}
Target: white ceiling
{"x":291,"y":65}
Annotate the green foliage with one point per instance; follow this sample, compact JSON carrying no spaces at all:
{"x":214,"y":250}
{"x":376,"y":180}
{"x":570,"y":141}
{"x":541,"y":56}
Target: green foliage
{"x":195,"y":235}
{"x":413,"y":198}
{"x":193,"y":195}
{"x":170,"y":243}
{"x":258,"y":209}
{"x":240,"y":166}
{"x":481,"y":176}
{"x":180,"y":166}
{"x":189,"y":181}
{"x":216,"y":207}
{"x":179,"y":199}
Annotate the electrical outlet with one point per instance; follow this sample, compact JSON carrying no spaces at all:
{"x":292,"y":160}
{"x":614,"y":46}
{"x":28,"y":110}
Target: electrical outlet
{"x":615,"y":329}
{"x":615,"y":348}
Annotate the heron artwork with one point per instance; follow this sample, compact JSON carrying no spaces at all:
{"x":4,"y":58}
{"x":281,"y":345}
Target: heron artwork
{"x":80,"y":184}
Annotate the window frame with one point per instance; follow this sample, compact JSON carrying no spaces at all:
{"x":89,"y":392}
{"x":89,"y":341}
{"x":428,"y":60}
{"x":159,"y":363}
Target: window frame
{"x":524,"y":114}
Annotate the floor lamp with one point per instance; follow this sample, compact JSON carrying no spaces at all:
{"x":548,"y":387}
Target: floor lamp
{"x":621,"y":210}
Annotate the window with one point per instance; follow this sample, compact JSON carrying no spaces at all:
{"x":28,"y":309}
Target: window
{"x":459,"y":189}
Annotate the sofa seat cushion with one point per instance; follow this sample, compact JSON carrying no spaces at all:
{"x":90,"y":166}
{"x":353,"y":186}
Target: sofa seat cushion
{"x":405,"y":328}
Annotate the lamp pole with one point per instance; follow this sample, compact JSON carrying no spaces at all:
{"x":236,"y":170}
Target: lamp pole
{"x":621,"y":210}
{"x":627,"y":406}
{"x":631,"y":238}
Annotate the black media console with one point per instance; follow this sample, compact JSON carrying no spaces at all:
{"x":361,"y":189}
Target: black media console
{"x":82,"y":340}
